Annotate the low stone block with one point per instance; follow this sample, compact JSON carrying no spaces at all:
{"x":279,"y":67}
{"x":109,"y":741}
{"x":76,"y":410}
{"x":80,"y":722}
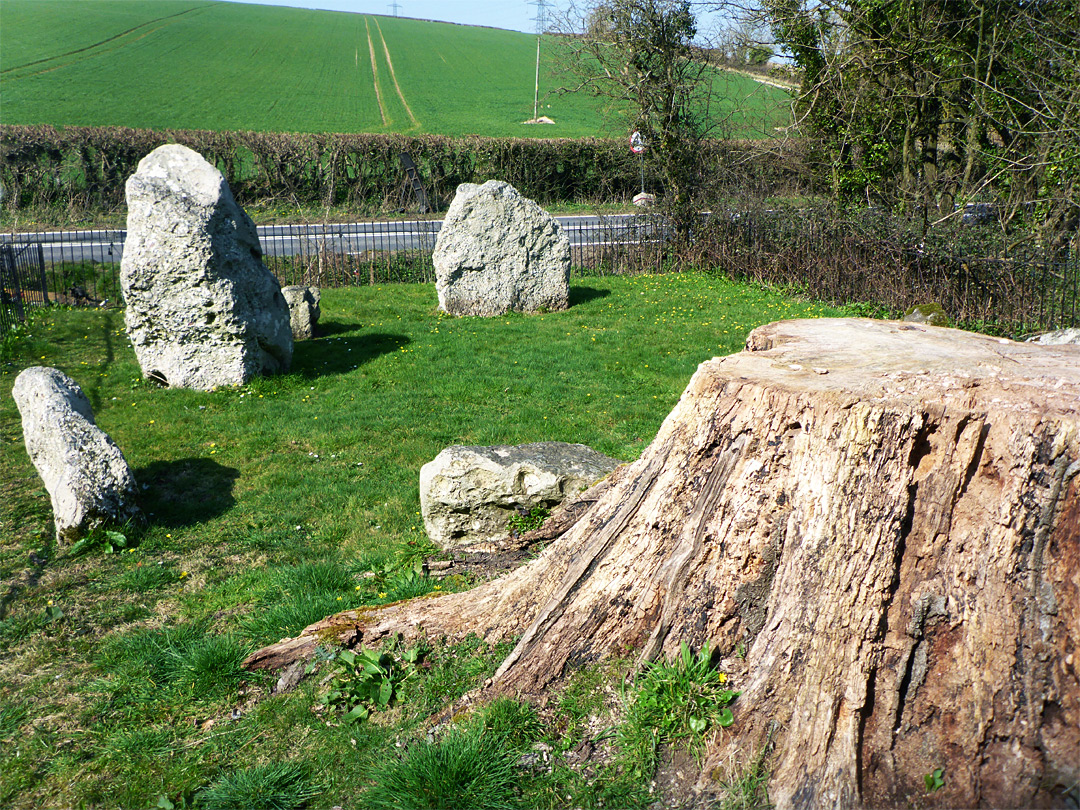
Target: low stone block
{"x":1059,"y":337}
{"x":467,"y":494}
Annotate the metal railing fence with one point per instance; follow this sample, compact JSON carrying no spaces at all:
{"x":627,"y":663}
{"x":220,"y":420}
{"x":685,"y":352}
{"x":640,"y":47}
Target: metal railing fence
{"x":1023,"y":290}
{"x":22,"y":282}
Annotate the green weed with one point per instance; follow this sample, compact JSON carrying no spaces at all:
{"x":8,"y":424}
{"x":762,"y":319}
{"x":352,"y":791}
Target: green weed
{"x":522,"y":521}
{"x":935,"y":780}
{"x":108,"y":540}
{"x":683,"y":698}
{"x":367,"y":681}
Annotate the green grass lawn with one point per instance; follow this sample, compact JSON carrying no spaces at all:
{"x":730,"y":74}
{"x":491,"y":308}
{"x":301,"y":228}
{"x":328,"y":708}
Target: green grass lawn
{"x":274,"y":504}
{"x":186,"y":64}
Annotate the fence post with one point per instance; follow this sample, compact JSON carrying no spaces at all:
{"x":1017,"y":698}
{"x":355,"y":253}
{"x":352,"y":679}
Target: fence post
{"x":41,"y":274}
{"x":10,"y":288}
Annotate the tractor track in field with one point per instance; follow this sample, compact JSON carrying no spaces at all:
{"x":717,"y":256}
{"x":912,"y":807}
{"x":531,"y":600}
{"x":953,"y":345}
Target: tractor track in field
{"x":94,"y":45}
{"x":393,"y":77}
{"x":375,"y":75}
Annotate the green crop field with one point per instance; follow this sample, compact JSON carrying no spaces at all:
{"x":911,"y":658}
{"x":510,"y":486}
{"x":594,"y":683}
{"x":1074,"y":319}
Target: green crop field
{"x":185,"y":64}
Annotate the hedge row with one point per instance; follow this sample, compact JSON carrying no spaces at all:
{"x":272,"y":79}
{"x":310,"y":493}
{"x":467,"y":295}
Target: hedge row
{"x":84,"y":168}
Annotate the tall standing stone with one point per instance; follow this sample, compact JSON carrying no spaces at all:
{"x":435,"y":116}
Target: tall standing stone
{"x":498,"y":251}
{"x":88,"y":480}
{"x":202,"y":308}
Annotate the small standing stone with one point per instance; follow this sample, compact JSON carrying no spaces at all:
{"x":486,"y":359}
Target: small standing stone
{"x":88,"y":480}
{"x":499,"y":252}
{"x":304,"y":310}
{"x":930,"y":314}
{"x":1060,"y":337}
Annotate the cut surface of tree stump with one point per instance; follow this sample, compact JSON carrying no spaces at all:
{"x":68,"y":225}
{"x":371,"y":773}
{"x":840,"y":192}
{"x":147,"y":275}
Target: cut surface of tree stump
{"x":884,"y":515}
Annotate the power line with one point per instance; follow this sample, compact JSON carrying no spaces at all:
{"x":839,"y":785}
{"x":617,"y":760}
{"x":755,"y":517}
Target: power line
{"x":394,"y":7}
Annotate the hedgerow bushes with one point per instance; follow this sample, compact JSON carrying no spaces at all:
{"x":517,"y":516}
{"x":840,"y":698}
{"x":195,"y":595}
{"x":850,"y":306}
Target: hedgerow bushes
{"x":84,"y":168}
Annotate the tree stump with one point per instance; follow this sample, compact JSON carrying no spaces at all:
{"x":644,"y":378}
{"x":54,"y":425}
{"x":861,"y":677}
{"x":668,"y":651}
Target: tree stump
{"x":885,"y":516}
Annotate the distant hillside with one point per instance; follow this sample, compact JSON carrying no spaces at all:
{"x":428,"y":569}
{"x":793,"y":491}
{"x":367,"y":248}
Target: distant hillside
{"x":225,"y":66}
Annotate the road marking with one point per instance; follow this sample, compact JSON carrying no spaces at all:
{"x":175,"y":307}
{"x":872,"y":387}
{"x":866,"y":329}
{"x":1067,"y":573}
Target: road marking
{"x":397,"y":87}
{"x":375,"y":74}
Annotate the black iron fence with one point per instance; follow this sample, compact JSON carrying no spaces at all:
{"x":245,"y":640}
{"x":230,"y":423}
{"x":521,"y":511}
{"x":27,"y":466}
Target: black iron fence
{"x":83,"y":267}
{"x":22,"y":282}
{"x":980,"y":281}
{"x":830,"y":259}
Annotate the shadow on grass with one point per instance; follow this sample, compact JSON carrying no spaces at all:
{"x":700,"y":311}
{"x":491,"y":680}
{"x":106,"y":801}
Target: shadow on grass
{"x":581,"y":295}
{"x":186,"y":491}
{"x":330,"y":328}
{"x":317,"y":358}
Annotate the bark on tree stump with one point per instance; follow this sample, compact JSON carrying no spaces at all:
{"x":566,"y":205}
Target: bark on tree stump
{"x":886,"y":515}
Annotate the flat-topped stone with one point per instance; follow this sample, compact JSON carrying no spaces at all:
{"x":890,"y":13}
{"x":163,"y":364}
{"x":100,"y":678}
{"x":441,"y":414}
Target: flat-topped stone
{"x":468,"y":494}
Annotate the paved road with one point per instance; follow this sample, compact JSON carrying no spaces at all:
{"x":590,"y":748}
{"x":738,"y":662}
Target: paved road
{"x":300,"y":240}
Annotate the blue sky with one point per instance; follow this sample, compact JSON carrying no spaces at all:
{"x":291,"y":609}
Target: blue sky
{"x":515,"y":15}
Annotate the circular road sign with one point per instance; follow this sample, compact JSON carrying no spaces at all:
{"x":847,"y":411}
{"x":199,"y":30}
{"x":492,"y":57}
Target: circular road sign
{"x":637,"y":143}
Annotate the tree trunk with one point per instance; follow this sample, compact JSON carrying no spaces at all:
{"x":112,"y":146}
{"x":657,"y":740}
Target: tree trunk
{"x":886,"y":515}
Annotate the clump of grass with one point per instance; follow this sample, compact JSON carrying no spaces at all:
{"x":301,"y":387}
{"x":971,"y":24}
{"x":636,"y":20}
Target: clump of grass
{"x":672,"y":702}
{"x":513,"y":722}
{"x":12,"y":716}
{"x":289,"y":616}
{"x":408,"y":584}
{"x":274,"y":786}
{"x":449,"y":672}
{"x":523,"y":521}
{"x":748,"y":788}
{"x":467,"y":768}
{"x":582,"y":698}
{"x":186,"y":660}
{"x":142,"y":578}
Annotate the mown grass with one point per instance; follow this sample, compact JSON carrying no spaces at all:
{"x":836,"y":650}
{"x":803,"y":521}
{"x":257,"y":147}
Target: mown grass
{"x":273,"y":504}
{"x":184,"y":64}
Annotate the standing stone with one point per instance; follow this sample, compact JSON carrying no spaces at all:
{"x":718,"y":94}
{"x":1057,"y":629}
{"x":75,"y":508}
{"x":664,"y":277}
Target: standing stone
{"x":467,"y":494}
{"x":304,"y":310}
{"x":1060,"y":337}
{"x":498,"y":251}
{"x":202,"y":309}
{"x":87,"y":478}
{"x":931,"y":314}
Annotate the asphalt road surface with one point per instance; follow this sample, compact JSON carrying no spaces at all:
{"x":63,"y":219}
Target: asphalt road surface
{"x":75,"y":247}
